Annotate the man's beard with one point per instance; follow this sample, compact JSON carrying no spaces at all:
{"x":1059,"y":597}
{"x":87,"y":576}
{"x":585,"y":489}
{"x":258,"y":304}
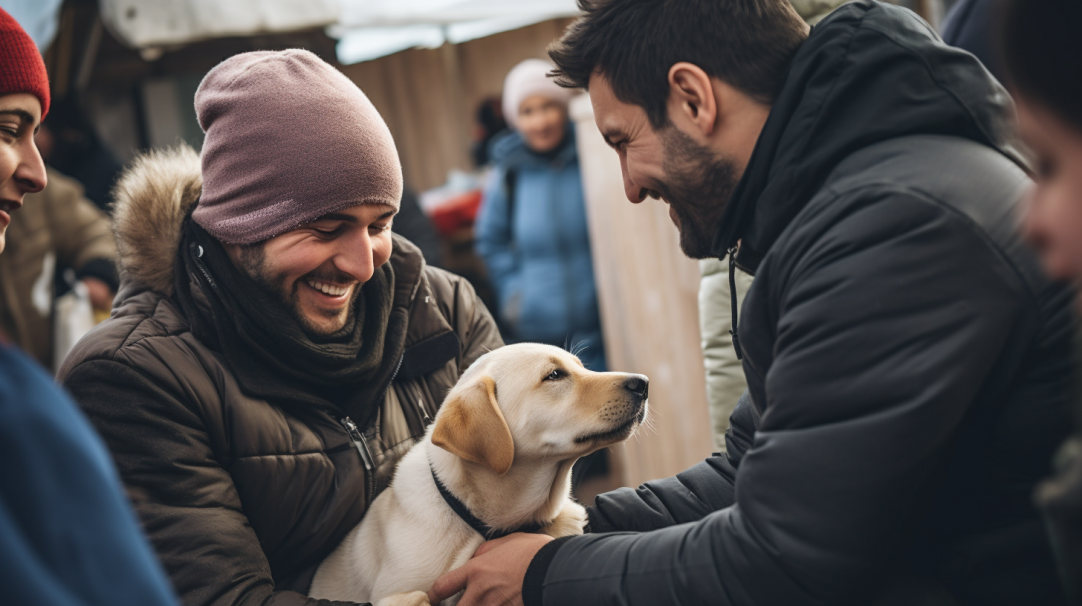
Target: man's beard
{"x":252,"y":260}
{"x":698,"y":185}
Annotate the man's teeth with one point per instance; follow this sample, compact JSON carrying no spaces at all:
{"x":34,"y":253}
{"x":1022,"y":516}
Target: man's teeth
{"x":328,"y":289}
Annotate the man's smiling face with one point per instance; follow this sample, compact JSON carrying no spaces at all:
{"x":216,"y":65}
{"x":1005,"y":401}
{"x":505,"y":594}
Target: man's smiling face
{"x":317,"y":270}
{"x":667,"y":164}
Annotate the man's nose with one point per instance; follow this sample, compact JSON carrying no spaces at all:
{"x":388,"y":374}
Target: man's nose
{"x":633,"y":192}
{"x":30,"y":173}
{"x":354,"y":256}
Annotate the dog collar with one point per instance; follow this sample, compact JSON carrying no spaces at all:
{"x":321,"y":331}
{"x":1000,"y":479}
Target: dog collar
{"x":467,"y":516}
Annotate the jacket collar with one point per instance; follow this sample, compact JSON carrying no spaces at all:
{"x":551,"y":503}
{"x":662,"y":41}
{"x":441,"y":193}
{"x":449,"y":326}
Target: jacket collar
{"x":867,"y":73}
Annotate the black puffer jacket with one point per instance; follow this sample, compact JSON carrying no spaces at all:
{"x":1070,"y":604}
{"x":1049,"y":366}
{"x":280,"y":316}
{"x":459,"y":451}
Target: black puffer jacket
{"x":907,"y":364}
{"x":243,"y":496}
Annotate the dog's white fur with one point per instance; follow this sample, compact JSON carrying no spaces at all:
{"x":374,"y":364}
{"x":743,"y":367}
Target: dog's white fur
{"x":503,"y":443}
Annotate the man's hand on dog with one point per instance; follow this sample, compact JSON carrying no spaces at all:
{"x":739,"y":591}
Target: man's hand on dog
{"x":493,"y":577}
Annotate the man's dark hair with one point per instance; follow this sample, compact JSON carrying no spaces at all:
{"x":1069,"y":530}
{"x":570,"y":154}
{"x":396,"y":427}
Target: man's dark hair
{"x":747,"y":44}
{"x":1042,"y":52}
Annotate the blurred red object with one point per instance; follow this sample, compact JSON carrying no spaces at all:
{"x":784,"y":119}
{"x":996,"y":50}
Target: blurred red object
{"x":457,"y":212}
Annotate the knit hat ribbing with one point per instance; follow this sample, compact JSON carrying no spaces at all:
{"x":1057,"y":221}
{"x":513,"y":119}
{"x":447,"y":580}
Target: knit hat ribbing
{"x":23,"y":69}
{"x":527,"y":79}
{"x":288,"y":139}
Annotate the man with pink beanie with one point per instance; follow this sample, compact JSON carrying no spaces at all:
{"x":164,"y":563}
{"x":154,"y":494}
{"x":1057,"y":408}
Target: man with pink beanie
{"x":274,"y":349}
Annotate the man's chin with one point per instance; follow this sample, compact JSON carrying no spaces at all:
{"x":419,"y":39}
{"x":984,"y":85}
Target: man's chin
{"x":323,"y":327}
{"x":693,"y":245}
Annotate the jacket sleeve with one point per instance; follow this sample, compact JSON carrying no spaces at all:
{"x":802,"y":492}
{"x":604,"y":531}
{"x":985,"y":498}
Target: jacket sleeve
{"x":686,"y":497}
{"x":495,"y":240}
{"x":187,"y":501}
{"x":67,"y":533}
{"x":887,"y":326}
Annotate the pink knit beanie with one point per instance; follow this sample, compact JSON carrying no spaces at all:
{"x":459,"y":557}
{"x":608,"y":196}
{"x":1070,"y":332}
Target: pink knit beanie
{"x":288,"y":140}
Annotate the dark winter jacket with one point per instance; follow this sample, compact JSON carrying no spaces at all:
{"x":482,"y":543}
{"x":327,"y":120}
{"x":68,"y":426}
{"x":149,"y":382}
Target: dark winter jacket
{"x":537,"y":250}
{"x":67,"y":533}
{"x":907,"y":363}
{"x":242,"y":497}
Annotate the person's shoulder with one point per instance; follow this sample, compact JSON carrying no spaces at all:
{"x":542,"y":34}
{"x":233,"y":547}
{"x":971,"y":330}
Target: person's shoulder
{"x":509,"y":150}
{"x":445,"y":285}
{"x":957,"y":175}
{"x":22,"y":380}
{"x":142,"y":321}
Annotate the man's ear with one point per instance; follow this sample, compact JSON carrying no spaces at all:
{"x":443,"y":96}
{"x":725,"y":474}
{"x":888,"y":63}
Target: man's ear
{"x":472,"y":426}
{"x":691,"y":97}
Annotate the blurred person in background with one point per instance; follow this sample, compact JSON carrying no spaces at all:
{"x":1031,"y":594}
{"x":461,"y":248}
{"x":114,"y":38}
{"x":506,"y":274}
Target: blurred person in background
{"x":531,"y":230}
{"x":57,"y":228}
{"x":1042,"y":57}
{"x":275,"y":348}
{"x":68,"y":535}
{"x":69,"y":142}
{"x":489,"y":124}
{"x":907,"y":361}
{"x":413,"y":224}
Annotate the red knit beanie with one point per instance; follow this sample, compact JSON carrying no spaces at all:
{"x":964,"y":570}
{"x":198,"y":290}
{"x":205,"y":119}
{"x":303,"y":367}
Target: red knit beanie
{"x":22,"y":69}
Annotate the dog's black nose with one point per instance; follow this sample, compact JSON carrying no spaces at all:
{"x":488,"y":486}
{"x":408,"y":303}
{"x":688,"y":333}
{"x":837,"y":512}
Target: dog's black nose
{"x":638,"y":385}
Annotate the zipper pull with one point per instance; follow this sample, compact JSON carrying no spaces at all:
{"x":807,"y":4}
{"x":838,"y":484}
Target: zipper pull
{"x":733,"y":302}
{"x":358,"y":441}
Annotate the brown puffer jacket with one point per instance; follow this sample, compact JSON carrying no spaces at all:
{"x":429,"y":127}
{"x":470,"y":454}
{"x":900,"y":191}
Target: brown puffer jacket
{"x":241,"y":497}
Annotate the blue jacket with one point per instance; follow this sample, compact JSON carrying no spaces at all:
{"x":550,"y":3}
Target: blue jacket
{"x":67,"y":532}
{"x":540,"y":265}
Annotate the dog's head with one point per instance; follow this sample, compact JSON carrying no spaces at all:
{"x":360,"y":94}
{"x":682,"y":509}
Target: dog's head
{"x":532,"y":401}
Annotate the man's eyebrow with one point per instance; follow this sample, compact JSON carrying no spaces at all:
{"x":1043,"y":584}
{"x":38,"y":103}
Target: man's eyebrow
{"x":22,"y":114}
{"x":351,"y":218}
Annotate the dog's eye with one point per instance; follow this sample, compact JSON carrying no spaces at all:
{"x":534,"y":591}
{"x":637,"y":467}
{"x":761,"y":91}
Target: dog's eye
{"x":555,"y":375}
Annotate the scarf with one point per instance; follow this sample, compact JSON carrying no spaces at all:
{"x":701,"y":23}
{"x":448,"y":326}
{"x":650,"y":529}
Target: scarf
{"x":267,"y":350}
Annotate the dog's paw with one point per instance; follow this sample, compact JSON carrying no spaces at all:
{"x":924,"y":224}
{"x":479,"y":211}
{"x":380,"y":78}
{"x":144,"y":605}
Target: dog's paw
{"x":569,"y":522}
{"x":413,"y":598}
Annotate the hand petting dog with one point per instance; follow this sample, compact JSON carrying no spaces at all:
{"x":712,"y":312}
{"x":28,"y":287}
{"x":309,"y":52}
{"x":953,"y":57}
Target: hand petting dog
{"x":493,"y":577}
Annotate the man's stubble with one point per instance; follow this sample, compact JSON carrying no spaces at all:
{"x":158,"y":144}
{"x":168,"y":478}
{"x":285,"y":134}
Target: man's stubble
{"x":252,"y":260}
{"x":698,"y":186}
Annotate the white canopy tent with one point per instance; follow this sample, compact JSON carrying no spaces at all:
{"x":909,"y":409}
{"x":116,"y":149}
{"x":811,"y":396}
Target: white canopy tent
{"x":366,"y":29}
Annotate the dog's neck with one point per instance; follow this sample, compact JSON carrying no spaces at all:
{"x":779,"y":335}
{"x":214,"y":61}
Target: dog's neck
{"x":531,"y":492}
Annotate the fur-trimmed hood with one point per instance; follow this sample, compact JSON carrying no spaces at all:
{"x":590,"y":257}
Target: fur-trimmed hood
{"x":152,"y":198}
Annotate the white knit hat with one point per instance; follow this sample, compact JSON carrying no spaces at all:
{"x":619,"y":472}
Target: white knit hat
{"x":527,"y":79}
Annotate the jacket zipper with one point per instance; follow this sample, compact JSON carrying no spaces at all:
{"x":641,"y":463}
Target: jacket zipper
{"x":359,"y":442}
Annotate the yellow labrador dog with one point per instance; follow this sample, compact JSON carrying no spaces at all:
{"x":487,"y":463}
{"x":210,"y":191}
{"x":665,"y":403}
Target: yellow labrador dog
{"x":497,"y":460}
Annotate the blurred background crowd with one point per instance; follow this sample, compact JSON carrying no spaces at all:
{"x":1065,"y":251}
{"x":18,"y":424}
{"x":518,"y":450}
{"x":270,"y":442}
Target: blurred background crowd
{"x":506,"y":180}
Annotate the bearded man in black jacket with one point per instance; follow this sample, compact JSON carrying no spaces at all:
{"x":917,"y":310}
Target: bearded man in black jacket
{"x":907,"y":363}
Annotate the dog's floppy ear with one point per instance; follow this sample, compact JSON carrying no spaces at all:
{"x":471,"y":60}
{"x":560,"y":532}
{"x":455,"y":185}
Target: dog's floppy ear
{"x":472,"y":426}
